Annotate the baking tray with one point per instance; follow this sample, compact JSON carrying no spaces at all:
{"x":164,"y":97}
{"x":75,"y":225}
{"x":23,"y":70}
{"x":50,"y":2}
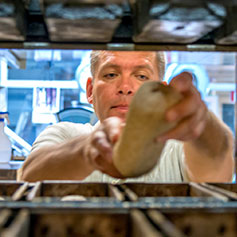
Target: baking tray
{"x":198,"y":222}
{"x":179,"y":196}
{"x":8,"y":189}
{"x":179,"y":22}
{"x":84,"y":21}
{"x":11,"y":18}
{"x":106,"y":223}
{"x":73,"y":195}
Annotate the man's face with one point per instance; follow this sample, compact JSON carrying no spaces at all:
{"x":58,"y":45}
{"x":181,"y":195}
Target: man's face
{"x":118,"y":76}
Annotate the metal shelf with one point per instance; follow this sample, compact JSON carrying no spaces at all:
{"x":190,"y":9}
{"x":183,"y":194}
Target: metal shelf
{"x":120,"y":25}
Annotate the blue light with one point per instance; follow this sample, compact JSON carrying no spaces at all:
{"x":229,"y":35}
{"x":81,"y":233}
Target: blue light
{"x":201,"y":79}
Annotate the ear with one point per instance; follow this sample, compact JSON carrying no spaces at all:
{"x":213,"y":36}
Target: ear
{"x":89,"y":88}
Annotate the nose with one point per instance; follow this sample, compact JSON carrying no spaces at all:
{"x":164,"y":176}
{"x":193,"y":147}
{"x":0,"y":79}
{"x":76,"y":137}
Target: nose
{"x":125,"y":87}
{"x":125,"y":92}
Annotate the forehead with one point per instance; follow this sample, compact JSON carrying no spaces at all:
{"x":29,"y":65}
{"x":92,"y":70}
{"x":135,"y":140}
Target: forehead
{"x":128,"y":58}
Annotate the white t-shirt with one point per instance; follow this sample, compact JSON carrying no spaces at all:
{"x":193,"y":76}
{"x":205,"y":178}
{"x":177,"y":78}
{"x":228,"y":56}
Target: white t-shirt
{"x":171,"y":167}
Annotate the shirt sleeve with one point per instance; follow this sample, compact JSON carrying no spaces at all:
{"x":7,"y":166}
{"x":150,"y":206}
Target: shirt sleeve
{"x":59,"y":133}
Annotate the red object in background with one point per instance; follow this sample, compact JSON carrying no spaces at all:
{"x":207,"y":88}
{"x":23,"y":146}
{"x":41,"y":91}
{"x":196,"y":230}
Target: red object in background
{"x":232,"y":96}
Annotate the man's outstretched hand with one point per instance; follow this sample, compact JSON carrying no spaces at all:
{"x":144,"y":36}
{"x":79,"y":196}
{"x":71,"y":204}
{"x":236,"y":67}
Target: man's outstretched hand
{"x":190,"y":112}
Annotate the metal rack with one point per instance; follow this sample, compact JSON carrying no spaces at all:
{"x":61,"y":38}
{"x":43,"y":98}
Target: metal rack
{"x":129,"y":209}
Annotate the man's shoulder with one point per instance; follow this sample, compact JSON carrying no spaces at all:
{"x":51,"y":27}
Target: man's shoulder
{"x":68,"y":129}
{"x":70,"y":125}
{"x":61,"y":132}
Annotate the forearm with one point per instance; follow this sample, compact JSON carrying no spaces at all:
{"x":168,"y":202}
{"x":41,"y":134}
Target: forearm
{"x":209,"y":158}
{"x":59,"y":162}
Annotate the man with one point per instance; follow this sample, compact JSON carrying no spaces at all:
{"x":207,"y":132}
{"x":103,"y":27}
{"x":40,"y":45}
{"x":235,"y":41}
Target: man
{"x":199,"y":148}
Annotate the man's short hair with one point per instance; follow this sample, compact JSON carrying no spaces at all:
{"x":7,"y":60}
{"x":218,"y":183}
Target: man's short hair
{"x":160,"y":56}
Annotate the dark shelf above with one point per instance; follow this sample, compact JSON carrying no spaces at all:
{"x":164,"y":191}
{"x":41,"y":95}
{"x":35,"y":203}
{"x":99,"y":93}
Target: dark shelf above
{"x":120,"y":25}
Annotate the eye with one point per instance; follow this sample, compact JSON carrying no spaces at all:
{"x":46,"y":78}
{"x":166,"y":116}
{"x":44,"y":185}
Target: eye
{"x":110,"y":75}
{"x":142,"y":77}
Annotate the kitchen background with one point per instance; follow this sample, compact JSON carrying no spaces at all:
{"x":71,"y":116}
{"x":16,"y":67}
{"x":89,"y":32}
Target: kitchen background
{"x":42,"y":87}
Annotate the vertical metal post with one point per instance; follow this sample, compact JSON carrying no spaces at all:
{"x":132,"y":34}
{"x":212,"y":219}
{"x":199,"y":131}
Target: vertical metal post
{"x":235,"y":115}
{"x":3,"y":71}
{"x":3,"y":82}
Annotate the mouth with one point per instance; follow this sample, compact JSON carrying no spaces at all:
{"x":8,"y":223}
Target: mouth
{"x":122,"y":107}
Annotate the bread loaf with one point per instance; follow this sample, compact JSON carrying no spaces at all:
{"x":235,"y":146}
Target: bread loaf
{"x":73,"y":198}
{"x":137,"y":151}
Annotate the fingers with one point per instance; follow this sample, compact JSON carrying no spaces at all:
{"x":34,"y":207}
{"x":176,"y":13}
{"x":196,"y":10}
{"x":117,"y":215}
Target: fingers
{"x":106,"y":135}
{"x":189,"y":105}
{"x":182,"y":82}
{"x":100,"y":163}
{"x":188,"y":129}
{"x":191,"y":98}
{"x":100,"y":142}
{"x":100,"y":146}
{"x":189,"y":113}
{"x":92,"y":155}
{"x":113,"y":127}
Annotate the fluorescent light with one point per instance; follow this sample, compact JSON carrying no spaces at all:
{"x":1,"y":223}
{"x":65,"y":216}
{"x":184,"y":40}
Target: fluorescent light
{"x":224,"y":86}
{"x":39,"y":83}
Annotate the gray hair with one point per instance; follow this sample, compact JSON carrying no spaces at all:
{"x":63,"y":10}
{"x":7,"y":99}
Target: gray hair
{"x":160,"y":56}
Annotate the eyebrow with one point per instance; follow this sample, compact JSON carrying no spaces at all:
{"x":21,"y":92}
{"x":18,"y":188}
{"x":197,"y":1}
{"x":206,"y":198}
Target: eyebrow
{"x":145,"y":66}
{"x":109,"y":65}
{"x":142,"y":66}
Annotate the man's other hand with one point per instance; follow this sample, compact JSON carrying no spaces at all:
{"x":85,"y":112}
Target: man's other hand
{"x":190,"y":112}
{"x":99,"y":148}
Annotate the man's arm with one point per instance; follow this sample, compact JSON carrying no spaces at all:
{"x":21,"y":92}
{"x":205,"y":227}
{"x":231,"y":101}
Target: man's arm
{"x":60,"y":161}
{"x":208,"y":142}
{"x":209,"y":158}
{"x":74,"y":159}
